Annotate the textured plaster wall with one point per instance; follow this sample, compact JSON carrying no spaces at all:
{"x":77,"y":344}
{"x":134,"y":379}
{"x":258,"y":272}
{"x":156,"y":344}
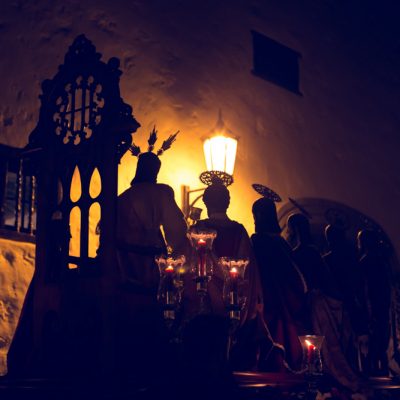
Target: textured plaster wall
{"x":16,"y":270}
{"x":183,"y":60}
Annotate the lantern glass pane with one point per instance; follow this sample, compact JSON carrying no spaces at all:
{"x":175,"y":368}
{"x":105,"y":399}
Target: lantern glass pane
{"x":230,"y":155}
{"x":207,"y":154}
{"x":220,"y":153}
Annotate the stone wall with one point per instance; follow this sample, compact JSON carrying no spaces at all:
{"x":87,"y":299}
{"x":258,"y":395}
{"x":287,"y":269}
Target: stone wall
{"x":16,"y":270}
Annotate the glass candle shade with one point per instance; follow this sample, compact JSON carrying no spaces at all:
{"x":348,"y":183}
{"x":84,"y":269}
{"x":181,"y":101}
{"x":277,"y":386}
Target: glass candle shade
{"x":171,"y":283}
{"x":202,"y":265}
{"x":312,"y":361}
{"x":235,"y":285}
{"x":180,"y":267}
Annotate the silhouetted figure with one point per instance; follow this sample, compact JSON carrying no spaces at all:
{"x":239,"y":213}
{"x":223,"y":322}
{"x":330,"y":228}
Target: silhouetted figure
{"x":343,"y":264}
{"x":375,"y":268}
{"x":284,"y":289}
{"x":232,"y":241}
{"x":306,"y":255}
{"x":326,"y":311}
{"x":142,"y":210}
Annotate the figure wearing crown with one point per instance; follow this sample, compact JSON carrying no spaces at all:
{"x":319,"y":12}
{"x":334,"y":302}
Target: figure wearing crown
{"x":142,"y":210}
{"x":148,"y":221}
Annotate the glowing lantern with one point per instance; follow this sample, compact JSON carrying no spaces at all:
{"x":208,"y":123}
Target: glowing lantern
{"x":220,"y":154}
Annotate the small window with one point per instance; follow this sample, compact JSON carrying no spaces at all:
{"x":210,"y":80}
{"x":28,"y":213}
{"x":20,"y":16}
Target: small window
{"x":275,"y":62}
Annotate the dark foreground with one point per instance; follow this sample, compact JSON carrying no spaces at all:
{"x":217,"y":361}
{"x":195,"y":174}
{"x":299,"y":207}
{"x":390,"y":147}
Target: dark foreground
{"x":245,"y":386}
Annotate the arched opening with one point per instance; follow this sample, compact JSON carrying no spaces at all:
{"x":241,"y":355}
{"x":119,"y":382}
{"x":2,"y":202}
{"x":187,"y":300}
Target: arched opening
{"x":75,"y":234}
{"x":76,"y":186}
{"x":95,"y":184}
{"x":94,"y":229}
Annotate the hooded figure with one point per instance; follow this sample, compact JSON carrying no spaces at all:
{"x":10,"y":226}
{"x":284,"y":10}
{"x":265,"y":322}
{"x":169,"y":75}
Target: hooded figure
{"x":284,"y":290}
{"x":375,"y":268}
{"x":326,"y":311}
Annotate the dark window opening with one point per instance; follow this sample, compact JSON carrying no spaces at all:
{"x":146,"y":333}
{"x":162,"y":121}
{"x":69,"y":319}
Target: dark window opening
{"x":275,"y":62}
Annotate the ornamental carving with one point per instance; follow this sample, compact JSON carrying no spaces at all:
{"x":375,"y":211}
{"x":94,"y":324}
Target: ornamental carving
{"x":78,"y":110}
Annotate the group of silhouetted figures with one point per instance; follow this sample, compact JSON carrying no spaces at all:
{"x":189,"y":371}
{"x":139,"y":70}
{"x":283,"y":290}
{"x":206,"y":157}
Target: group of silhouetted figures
{"x":343,"y":295}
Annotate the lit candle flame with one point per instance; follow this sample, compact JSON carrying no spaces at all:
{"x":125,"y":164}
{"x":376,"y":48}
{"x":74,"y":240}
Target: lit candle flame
{"x":170,"y":268}
{"x":309,"y":344}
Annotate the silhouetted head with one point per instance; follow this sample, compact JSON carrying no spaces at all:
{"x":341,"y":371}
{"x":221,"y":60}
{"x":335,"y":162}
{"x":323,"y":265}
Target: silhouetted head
{"x":216,"y":198}
{"x":299,"y":227}
{"x":265,"y":216}
{"x":368,"y":241}
{"x":147,"y":168}
{"x":335,"y":236}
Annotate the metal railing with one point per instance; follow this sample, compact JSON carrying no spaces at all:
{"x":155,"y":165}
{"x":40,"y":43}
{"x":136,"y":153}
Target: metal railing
{"x":17,"y":193}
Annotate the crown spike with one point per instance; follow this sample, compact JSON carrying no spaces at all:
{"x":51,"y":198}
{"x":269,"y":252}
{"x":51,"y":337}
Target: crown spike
{"x":152,"y":139}
{"x":167,"y":143}
{"x":135,"y":150}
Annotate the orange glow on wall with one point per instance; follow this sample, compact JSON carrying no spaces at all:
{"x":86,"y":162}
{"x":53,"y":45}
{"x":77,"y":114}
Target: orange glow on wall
{"x":182,"y":165}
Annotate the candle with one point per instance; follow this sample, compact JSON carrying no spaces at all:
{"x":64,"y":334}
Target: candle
{"x":234,"y":273}
{"x":169,"y":281}
{"x":201,"y":243}
{"x":310,"y":351}
{"x":169,"y":269}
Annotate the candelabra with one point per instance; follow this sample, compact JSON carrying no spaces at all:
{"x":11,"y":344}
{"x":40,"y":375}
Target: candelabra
{"x":235,"y":286}
{"x":171,"y":286}
{"x":202,"y":262}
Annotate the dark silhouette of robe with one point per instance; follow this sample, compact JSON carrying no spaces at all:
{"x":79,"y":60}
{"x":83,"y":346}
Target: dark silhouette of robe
{"x":233,"y":241}
{"x":375,"y":268}
{"x":284,"y":293}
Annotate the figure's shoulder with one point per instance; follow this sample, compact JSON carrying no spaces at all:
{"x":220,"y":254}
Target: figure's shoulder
{"x":263,"y":241}
{"x":146,"y":189}
{"x":260,"y":237}
{"x":124,"y":194}
{"x":164,"y":188}
{"x":239,"y":226}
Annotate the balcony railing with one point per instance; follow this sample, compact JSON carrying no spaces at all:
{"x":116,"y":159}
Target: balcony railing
{"x":17,"y":195}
